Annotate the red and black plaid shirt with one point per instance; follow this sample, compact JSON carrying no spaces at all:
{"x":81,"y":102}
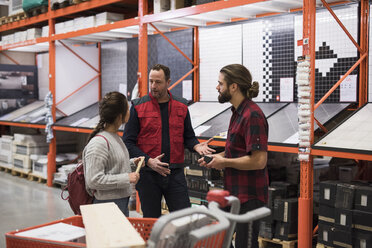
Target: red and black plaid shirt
{"x":248,"y":131}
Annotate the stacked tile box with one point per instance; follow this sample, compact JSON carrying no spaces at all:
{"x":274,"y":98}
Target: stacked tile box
{"x":345,"y":214}
{"x":6,"y":151}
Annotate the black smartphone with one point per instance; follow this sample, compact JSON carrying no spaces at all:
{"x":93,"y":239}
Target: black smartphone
{"x":207,"y":159}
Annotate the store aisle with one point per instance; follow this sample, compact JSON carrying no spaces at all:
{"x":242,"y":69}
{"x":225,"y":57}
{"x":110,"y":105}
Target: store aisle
{"x":25,"y":203}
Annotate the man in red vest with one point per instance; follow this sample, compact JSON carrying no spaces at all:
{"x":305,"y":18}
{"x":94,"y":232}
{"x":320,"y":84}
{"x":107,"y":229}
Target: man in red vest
{"x":159,"y":128}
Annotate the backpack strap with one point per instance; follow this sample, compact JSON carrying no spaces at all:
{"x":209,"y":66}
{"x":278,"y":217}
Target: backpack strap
{"x":108,"y":145}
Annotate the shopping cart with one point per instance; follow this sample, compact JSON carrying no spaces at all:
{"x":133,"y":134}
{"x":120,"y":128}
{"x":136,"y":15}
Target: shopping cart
{"x":202,"y":227}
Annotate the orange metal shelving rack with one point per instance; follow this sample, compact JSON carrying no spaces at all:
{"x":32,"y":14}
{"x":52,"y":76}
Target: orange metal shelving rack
{"x":145,"y":19}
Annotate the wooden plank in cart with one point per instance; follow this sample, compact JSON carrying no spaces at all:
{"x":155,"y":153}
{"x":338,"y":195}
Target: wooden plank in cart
{"x":106,"y":226}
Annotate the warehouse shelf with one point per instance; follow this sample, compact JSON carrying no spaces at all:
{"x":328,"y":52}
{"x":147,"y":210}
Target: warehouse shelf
{"x":118,"y":30}
{"x":203,"y":15}
{"x":88,"y":5}
{"x":352,"y":136}
{"x":25,"y":22}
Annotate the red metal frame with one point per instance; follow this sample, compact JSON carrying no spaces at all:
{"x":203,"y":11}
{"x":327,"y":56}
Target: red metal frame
{"x":10,"y":58}
{"x":142,"y":48}
{"x":24,"y":43}
{"x":305,"y":201}
{"x":194,"y":63}
{"x":196,"y":89}
{"x":19,"y":124}
{"x":77,"y":55}
{"x":52,"y":87}
{"x":334,"y":87}
{"x":72,"y":93}
{"x":363,"y":68}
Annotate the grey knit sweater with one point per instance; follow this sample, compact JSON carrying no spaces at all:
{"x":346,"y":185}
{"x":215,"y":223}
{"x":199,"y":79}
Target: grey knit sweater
{"x":107,"y":168}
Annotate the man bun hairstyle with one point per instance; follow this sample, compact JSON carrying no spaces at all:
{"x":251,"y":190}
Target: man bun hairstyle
{"x":239,"y":74}
{"x":165,"y":69}
{"x":110,"y":107}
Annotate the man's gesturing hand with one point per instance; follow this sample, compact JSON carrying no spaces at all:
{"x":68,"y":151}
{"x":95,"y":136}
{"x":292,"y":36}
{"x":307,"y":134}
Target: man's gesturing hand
{"x":158,"y":166}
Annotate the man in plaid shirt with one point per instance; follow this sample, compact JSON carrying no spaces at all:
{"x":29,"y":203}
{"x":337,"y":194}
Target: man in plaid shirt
{"x":245,"y":156}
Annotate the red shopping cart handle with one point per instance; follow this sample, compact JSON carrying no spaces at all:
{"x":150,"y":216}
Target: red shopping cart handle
{"x":218,"y":196}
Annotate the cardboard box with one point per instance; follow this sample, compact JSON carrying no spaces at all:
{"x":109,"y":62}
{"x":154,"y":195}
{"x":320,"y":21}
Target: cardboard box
{"x":22,"y":162}
{"x":78,"y":23}
{"x":363,"y":198}
{"x":89,"y":22}
{"x":344,"y":218}
{"x":59,"y":28}
{"x":177,"y":4}
{"x":326,"y":234}
{"x":347,"y":173}
{"x":40,"y":165}
{"x":275,"y":192}
{"x":267,"y":229}
{"x":328,"y":191}
{"x":342,"y":238}
{"x":345,"y":196}
{"x":286,"y":231}
{"x":362,"y":220}
{"x":108,"y":17}
{"x":362,"y":239}
{"x":286,"y":210}
{"x":161,"y":6}
{"x":69,"y":26}
{"x":45,"y":31}
{"x":33,"y":33}
{"x":326,"y":214}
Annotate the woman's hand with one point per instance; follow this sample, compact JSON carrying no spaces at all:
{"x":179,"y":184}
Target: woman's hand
{"x":137,"y":160}
{"x":134,"y":177}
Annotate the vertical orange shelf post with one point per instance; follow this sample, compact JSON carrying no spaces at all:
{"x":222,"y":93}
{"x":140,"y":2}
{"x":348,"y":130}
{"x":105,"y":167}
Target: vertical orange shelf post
{"x":196,"y":87}
{"x":142,"y":48}
{"x":364,"y":37}
{"x":142,"y":61}
{"x":305,"y":201}
{"x":52,"y":87}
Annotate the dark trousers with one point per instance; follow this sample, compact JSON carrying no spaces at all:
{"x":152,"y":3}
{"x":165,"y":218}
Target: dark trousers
{"x":243,"y":232}
{"x":122,"y":204}
{"x":152,"y":186}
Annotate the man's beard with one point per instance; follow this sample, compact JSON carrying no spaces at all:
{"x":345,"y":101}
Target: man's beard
{"x":224,"y":97}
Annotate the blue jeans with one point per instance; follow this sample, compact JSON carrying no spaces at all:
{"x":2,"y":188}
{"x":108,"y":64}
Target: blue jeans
{"x":121,"y":202}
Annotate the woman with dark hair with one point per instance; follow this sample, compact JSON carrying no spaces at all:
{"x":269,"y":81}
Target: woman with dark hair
{"x":107,"y":167}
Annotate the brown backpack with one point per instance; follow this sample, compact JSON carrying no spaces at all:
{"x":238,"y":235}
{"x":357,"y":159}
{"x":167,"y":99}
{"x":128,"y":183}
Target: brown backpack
{"x":77,"y":194}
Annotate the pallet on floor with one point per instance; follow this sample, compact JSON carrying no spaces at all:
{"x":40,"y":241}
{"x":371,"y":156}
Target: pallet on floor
{"x":20,"y":173}
{"x":5,"y":169}
{"x":319,"y":245}
{"x":268,"y":243}
{"x":39,"y":179}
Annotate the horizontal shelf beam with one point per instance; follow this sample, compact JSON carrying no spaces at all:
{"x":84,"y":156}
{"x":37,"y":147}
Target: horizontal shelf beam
{"x":93,"y":30}
{"x":73,"y":129}
{"x":338,"y":154}
{"x":24,"y":43}
{"x":19,"y":124}
{"x":77,"y":129}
